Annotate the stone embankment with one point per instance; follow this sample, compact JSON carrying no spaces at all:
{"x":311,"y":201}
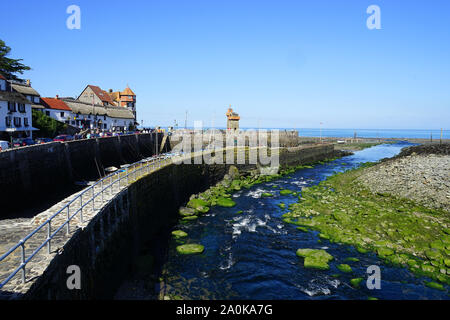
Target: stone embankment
{"x":420,"y":173}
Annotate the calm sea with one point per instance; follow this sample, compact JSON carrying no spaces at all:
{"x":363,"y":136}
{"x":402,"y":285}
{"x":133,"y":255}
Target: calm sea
{"x":363,"y":133}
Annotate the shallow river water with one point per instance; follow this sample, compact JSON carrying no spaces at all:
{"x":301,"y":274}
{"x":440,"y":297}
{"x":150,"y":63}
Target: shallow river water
{"x":252,"y":255}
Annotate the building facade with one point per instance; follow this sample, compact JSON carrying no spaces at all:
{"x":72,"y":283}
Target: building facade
{"x":15,"y":113}
{"x":97,"y":116}
{"x":125,"y":98}
{"x":57,"y":109}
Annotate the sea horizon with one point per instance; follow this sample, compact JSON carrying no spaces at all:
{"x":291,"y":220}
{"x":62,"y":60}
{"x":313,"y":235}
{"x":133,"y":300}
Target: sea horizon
{"x":360,"y":133}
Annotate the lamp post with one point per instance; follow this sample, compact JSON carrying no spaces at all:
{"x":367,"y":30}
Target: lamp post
{"x":321,"y":132}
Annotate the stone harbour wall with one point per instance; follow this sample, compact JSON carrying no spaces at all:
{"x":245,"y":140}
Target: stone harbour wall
{"x":30,"y":174}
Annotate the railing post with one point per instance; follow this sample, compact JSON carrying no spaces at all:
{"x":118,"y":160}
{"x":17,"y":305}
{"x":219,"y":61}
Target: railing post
{"x":110,"y":185}
{"x":23,"y":260}
{"x":81,"y":208}
{"x":128,"y":177}
{"x":49,"y":230}
{"x":68,"y":221}
{"x":93,"y":204}
{"x":102,"y":191}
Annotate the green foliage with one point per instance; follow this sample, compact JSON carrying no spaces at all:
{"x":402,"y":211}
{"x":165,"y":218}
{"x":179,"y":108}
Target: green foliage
{"x":9,"y":66}
{"x":48,"y":127}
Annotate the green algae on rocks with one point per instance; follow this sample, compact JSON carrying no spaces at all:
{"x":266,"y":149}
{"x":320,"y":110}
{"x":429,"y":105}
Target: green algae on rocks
{"x":190,"y":248}
{"x":189,"y":218}
{"x":185,"y":211}
{"x":344,"y":268}
{"x":225,"y":202}
{"x":355,"y":282}
{"x":434,"y":285}
{"x":286,"y":192}
{"x":199,"y":205}
{"x":179,"y":234}
{"x":402,"y":232}
{"x":315,"y":258}
{"x":266,"y":195}
{"x":282,"y":205}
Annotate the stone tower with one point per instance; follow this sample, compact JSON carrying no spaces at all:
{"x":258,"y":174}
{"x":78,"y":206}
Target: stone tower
{"x":232,"y":119}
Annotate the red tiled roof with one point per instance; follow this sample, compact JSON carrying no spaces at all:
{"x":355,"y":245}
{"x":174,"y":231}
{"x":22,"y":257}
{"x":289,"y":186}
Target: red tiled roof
{"x":2,"y":77}
{"x":57,"y":104}
{"x":101,"y":94}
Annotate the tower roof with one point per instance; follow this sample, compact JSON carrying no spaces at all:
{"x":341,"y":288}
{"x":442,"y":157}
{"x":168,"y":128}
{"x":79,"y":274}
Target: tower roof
{"x":127,"y":92}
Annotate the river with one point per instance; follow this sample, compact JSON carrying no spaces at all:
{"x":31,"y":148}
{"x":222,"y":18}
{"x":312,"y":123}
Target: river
{"x":252,"y":255}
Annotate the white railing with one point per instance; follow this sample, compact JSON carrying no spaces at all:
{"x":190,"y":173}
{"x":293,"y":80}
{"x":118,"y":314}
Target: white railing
{"x":121,"y":178}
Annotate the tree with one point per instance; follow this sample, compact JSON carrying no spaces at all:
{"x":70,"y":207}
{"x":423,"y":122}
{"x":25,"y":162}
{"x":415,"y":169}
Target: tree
{"x":9,"y":66}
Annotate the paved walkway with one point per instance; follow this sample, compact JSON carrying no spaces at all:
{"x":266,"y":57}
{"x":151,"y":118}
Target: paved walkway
{"x":13,"y":230}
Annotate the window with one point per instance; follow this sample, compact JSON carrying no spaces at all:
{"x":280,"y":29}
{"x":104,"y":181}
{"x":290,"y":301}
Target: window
{"x":62,"y":114}
{"x":25,"y":122}
{"x":17,"y":121}
{"x":21,"y":107}
{"x":47,"y":113}
{"x":8,"y":121}
{"x":11,"y":106}
{"x":104,"y":126}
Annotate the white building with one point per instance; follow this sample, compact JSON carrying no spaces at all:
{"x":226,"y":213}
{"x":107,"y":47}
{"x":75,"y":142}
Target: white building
{"x":57,"y":109}
{"x":98,"y":116}
{"x":15,"y":113}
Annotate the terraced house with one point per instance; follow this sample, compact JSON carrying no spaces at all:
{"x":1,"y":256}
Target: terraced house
{"x":15,"y":111}
{"x":124,"y":99}
{"x":94,"y":109}
{"x":99,"y":116}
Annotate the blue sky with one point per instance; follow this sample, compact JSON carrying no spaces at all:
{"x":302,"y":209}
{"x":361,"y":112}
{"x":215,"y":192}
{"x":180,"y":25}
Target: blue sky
{"x":278,"y":63}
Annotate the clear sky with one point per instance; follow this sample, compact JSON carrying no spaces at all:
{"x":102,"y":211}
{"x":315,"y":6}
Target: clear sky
{"x":278,"y":63}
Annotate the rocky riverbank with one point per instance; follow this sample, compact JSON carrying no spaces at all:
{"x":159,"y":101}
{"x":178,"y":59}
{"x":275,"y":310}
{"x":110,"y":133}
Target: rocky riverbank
{"x":398,"y":209}
{"x":424,"y":178}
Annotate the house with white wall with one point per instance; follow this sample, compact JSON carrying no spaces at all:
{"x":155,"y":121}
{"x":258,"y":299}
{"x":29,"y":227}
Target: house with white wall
{"x":57,"y":109}
{"x":28,"y":92}
{"x":98,"y":116}
{"x":15,"y":113}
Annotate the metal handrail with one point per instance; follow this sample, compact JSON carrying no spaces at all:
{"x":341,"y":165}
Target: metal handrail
{"x":135,"y":169}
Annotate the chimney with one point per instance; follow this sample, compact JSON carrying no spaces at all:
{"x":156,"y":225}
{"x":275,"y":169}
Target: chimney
{"x":28,"y":82}
{"x":57,"y":97}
